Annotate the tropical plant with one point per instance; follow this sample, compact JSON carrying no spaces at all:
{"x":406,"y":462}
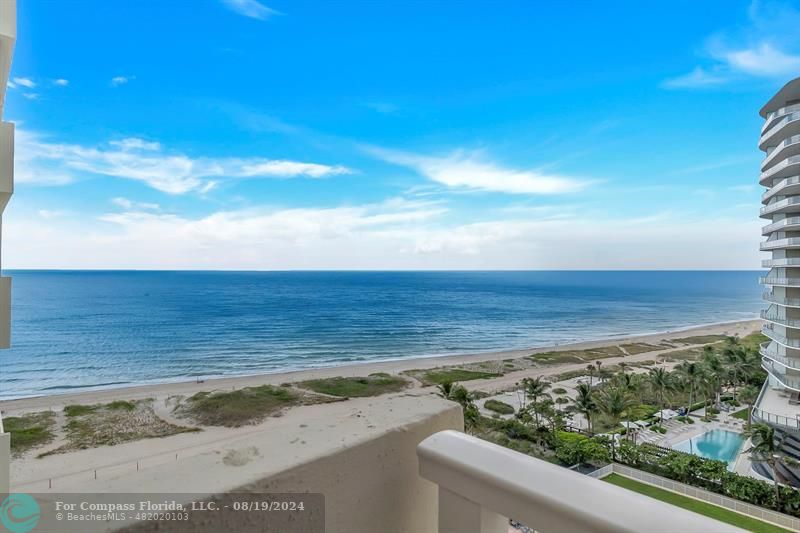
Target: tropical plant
{"x":691,"y":373}
{"x":748,"y":395}
{"x":585,"y":404}
{"x":764,"y":449}
{"x":590,"y":370}
{"x":535,"y":389}
{"x":459,"y":394}
{"x":660,"y":380}
{"x":613,"y":402}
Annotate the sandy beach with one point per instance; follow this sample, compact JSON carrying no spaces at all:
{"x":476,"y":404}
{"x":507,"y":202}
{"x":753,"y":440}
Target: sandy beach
{"x":125,"y":463}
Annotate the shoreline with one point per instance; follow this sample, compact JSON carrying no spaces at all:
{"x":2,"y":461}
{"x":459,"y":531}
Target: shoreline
{"x":394,"y":365}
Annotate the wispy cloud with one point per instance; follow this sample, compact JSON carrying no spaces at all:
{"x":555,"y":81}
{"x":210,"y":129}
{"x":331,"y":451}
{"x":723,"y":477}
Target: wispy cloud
{"x":41,"y":161}
{"x":116,"y":81}
{"x":61,"y":82}
{"x":31,"y":96}
{"x":251,"y":9}
{"x":759,"y":50}
{"x":472,"y":170}
{"x":132,"y":205}
{"x":25,"y":82}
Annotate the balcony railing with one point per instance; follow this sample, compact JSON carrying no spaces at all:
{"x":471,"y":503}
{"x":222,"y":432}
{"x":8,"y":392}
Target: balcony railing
{"x":777,"y":337}
{"x":780,"y":186}
{"x":778,"y":112}
{"x":767,"y":174}
{"x":760,"y":415}
{"x":782,"y":262}
{"x":777,"y":127}
{"x":788,"y":322}
{"x":789,"y":242}
{"x":482,"y":484}
{"x":784,"y":282}
{"x":788,"y":141}
{"x":785,"y":302}
{"x":780,"y":204}
{"x":790,"y":362}
{"x":782,"y":377}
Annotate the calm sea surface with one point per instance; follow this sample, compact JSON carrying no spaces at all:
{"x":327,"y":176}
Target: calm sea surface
{"x":81,"y":330}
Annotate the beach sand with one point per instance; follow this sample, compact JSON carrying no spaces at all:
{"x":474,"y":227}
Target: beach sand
{"x":73,"y":471}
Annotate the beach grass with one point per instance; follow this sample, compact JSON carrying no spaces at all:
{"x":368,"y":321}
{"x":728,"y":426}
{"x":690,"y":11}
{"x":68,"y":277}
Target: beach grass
{"x":354,"y":387}
{"x":30,"y":430}
{"x":499,"y":407}
{"x":241,"y":407}
{"x":697,"y":506}
{"x":437,"y":376}
{"x":698,"y":339}
{"x":635,"y":348}
{"x":91,"y":426}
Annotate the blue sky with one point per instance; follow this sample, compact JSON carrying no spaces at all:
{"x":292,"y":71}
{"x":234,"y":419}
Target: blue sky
{"x":235,"y":134}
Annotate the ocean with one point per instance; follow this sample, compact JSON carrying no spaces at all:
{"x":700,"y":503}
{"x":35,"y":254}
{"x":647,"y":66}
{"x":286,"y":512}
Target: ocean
{"x":81,"y":330}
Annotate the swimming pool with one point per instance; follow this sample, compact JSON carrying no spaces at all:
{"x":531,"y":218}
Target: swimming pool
{"x":716,"y":444}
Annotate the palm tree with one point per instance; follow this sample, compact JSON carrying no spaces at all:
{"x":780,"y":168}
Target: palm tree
{"x":444,"y":389}
{"x":459,"y":394}
{"x":691,"y":372}
{"x":585,"y":404}
{"x":715,"y":369}
{"x":660,"y":380}
{"x":748,"y":395}
{"x":613,"y":402}
{"x":536,"y":388}
{"x":590,"y":370}
{"x":739,"y":362}
{"x":765,"y":449}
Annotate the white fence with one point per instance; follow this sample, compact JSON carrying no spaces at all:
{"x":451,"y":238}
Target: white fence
{"x":760,"y":513}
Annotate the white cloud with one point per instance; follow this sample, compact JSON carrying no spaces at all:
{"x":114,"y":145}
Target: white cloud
{"x":49,"y":214}
{"x":768,"y":46}
{"x":31,"y":96}
{"x":130,"y":205}
{"x":250,"y":8}
{"x":25,"y":82}
{"x":61,"y":82}
{"x":11,"y":85}
{"x":41,"y":161}
{"x":470,"y":170}
{"x":116,"y":81}
{"x":397,"y":234}
{"x":134,"y":143}
{"x":699,"y":77}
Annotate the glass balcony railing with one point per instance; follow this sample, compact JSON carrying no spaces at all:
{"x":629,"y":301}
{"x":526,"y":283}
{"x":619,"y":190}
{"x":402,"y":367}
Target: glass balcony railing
{"x":778,"y":112}
{"x":778,"y":126}
{"x":783,"y":262}
{"x":767,"y":174}
{"x":759,"y":415}
{"x":788,"y":141}
{"x":772,"y":317}
{"x":784,"y":282}
{"x":780,"y":300}
{"x":767,"y":330}
{"x":787,"y":381}
{"x":772,"y":353}
{"x":780,"y":204}
{"x":780,"y":186}
{"x":780,"y":225}
{"x":780,"y":243}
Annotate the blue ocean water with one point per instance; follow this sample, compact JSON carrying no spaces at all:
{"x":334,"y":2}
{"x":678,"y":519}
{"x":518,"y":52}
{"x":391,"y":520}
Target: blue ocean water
{"x":76,"y":330}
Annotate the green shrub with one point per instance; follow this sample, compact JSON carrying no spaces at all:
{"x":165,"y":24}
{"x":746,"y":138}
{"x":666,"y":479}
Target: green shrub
{"x":499,"y":407}
{"x":355,"y":387}
{"x":559,"y":390}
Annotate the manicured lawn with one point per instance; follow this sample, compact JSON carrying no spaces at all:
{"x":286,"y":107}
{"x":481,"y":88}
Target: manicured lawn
{"x":703,"y":508}
{"x":742,"y":415}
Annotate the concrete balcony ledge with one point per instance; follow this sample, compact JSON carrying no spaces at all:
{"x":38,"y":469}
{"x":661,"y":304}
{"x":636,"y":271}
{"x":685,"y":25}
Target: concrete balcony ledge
{"x":481,"y":484}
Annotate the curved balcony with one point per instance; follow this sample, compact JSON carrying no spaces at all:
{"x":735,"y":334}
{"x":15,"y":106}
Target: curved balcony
{"x":780,"y":339}
{"x":781,"y":282}
{"x":779,"y":300}
{"x":786,"y":127}
{"x":790,"y":382}
{"x":769,"y":121}
{"x":784,"y":262}
{"x":770,"y":353}
{"x":786,"y":224}
{"x":780,"y":244}
{"x":783,"y":321}
{"x":759,"y":415}
{"x":787,"y":186}
{"x":787,"y":147}
{"x":784,"y":169}
{"x":787,"y":205}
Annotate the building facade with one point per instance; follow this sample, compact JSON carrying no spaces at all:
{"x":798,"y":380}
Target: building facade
{"x":8,"y":35}
{"x":779,"y":401}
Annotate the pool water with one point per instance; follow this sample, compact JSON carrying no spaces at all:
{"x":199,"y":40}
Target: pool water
{"x":716,"y":444}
